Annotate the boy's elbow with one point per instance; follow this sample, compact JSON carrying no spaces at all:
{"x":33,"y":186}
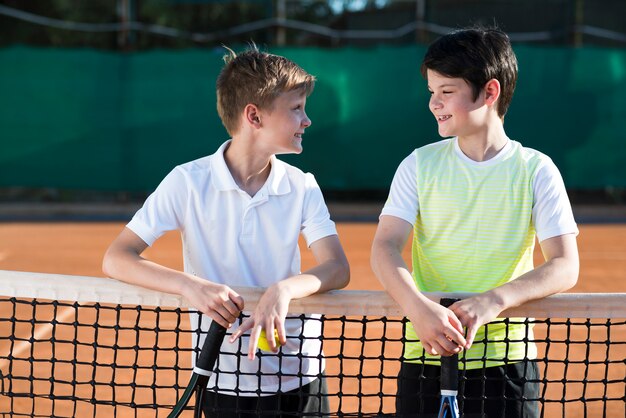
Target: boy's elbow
{"x":338,"y":273}
{"x":111,"y":262}
{"x":373,"y":255}
{"x":108,"y":264}
{"x":343,"y":273}
{"x":378,"y":248}
{"x":571,"y":276}
{"x":568,"y":268}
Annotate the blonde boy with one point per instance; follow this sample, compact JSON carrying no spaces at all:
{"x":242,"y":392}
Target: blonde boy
{"x":240,"y":212}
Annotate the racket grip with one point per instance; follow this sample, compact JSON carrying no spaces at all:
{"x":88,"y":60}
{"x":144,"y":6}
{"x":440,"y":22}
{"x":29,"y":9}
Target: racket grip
{"x":450,"y":372}
{"x":449,"y":365}
{"x":210,"y":349}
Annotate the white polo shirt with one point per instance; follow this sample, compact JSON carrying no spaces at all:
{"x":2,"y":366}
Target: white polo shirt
{"x":229,"y":237}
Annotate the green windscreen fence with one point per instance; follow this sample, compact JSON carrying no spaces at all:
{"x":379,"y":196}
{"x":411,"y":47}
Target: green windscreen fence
{"x":85,"y":119}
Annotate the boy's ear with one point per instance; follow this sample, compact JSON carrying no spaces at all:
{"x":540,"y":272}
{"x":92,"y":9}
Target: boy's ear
{"x":252,"y":115}
{"x":492,"y":91}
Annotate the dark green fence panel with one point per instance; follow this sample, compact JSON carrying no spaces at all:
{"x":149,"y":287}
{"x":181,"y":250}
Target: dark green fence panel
{"x":95,"y":120}
{"x":571,"y":104}
{"x":83,"y":119}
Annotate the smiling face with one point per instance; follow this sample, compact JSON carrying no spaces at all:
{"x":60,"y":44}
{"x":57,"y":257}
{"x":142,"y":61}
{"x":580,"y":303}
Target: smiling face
{"x":453,"y":105}
{"x":284,"y":123}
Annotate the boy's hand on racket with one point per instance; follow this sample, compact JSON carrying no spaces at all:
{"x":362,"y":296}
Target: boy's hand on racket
{"x":268,"y":315}
{"x":475,"y":312}
{"x":438,"y":328}
{"x":218,"y":301}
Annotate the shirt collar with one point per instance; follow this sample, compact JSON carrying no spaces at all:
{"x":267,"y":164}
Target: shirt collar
{"x":222,"y":179}
{"x":502,"y":154}
{"x":276,"y":184}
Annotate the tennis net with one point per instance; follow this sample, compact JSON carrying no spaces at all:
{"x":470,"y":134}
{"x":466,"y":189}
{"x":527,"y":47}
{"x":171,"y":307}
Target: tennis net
{"x":73,"y":346}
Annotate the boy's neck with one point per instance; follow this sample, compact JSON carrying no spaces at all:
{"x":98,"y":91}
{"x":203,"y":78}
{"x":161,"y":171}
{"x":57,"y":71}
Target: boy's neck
{"x":249,"y":167}
{"x":484,"y":145}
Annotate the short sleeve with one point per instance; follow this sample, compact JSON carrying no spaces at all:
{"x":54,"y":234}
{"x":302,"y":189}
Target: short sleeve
{"x":552,"y":211}
{"x":403,"y":200}
{"x":163,"y":210}
{"x":316,"y":222}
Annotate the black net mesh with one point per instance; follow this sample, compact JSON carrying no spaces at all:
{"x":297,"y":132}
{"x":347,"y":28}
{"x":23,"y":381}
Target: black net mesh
{"x":60,"y":359}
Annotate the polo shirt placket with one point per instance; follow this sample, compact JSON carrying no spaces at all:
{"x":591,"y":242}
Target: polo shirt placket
{"x":250,"y":217}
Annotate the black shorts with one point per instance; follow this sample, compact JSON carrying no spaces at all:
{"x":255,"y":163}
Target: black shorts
{"x":510,"y":391}
{"x":310,"y":400}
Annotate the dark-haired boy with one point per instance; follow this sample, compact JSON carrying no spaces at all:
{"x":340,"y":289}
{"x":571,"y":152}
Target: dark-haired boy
{"x":475,"y":203}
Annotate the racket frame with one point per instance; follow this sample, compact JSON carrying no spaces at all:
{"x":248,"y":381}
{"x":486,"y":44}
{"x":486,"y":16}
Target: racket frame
{"x":449,"y":379}
{"x":202,"y":371}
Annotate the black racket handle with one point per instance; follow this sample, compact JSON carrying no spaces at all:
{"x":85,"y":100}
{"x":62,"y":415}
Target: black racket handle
{"x":210,"y":349}
{"x":202,"y":371}
{"x":449,"y":365}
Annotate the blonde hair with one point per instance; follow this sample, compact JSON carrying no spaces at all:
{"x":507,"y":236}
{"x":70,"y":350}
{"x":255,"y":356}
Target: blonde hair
{"x":255,"y":77}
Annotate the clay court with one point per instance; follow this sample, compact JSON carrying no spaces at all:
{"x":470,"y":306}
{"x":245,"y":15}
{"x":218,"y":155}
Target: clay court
{"x":76,"y":248}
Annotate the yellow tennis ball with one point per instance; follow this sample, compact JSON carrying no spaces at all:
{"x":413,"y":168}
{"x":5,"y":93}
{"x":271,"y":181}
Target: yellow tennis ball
{"x":263,"y":344}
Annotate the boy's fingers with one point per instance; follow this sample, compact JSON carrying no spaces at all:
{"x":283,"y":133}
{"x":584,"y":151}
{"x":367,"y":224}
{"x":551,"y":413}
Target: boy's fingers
{"x":232,"y":308}
{"x":219,"y":319}
{"x":269,"y":336}
{"x":455,"y":337}
{"x":237,"y":300}
{"x":252,"y":343}
{"x":235,"y":335}
{"x":456,"y":322}
{"x":471,"y":333}
{"x":280,"y":327}
{"x":282,"y":336}
{"x":449,"y":346}
{"x":429,"y":349}
{"x":245,"y":326}
{"x":454,"y":332}
{"x":445,"y":348}
{"x":227,"y":315}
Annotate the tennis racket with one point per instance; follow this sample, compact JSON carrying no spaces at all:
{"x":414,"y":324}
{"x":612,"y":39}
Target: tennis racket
{"x":448,"y":407}
{"x":202,"y":371}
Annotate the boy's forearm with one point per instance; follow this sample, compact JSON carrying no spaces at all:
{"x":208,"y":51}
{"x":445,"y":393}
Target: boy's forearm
{"x":439,"y":330}
{"x":389,"y":266}
{"x":332,"y":274}
{"x":391,"y":270}
{"x":131,"y":268}
{"x":123,"y":261}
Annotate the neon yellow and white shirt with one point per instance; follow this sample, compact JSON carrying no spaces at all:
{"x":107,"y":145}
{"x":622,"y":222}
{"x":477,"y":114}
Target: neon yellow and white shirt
{"x":474,"y":226}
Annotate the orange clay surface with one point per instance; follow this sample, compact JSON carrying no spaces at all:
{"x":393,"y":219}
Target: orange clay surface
{"x":77,"y":248}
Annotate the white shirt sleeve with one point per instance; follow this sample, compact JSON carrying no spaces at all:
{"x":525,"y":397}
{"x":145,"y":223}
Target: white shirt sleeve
{"x":552,"y":211}
{"x":403,"y":201}
{"x":163,"y":210}
{"x":316,"y":222}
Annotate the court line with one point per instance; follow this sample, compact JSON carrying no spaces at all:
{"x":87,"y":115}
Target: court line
{"x":40,"y":332}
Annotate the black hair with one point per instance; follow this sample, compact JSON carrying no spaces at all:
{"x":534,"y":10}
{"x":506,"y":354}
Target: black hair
{"x":476,"y":55}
